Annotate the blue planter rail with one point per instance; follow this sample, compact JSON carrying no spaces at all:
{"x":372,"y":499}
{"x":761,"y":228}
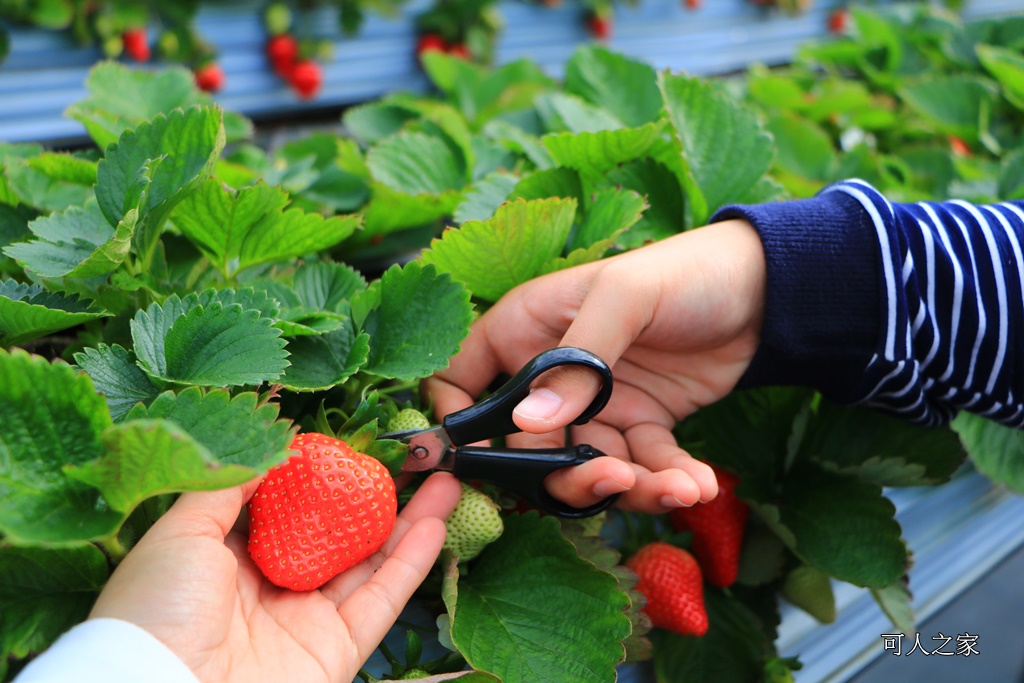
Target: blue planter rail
{"x":45,"y":71}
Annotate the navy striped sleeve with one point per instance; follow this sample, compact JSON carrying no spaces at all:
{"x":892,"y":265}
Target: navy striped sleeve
{"x":915,"y":309}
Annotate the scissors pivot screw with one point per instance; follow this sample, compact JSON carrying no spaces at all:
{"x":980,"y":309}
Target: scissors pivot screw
{"x":419,"y":452}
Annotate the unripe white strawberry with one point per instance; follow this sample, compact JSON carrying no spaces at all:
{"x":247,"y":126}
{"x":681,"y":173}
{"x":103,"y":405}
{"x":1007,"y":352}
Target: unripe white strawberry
{"x":408,"y":420}
{"x":475,"y":522}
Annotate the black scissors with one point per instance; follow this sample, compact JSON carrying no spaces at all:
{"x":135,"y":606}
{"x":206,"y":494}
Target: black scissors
{"x":520,"y":470}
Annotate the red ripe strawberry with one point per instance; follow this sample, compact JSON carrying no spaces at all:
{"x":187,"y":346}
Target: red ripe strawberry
{"x":136,"y":44}
{"x":283,"y":51}
{"x":717,"y":528}
{"x":459,"y":50}
{"x":320,"y":512}
{"x":959,"y":147}
{"x":670,"y":579}
{"x":600,"y":26}
{"x":306,"y":78}
{"x":430,"y":42}
{"x":210,"y":77}
{"x":692,"y":4}
{"x":838,"y":20}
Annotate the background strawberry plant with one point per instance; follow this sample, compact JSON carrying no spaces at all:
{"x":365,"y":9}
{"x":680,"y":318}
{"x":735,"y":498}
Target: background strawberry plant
{"x":177,"y":301}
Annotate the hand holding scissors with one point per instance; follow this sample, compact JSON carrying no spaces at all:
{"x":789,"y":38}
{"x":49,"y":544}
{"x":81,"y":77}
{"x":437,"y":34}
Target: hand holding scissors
{"x":520,"y":470}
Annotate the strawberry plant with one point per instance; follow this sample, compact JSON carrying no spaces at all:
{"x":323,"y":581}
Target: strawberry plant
{"x":178,"y":302}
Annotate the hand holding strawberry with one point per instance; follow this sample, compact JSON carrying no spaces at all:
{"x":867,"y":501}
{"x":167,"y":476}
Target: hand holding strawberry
{"x":239,"y":627}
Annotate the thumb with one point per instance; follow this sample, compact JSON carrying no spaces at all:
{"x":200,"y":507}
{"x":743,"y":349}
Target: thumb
{"x":613,"y":314}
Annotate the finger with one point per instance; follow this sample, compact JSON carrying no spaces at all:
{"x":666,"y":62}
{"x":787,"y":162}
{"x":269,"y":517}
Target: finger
{"x":612,"y":315}
{"x":655,"y":448}
{"x":436,"y":498}
{"x":204,"y":513}
{"x":655,"y":493}
{"x":590,"y":482}
{"x":372,"y":609}
{"x":555,"y":439}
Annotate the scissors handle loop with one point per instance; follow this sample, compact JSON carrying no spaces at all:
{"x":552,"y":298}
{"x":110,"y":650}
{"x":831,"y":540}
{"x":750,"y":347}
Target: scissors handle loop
{"x":492,"y":416}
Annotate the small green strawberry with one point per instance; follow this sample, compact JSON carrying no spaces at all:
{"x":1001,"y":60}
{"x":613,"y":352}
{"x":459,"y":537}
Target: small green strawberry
{"x":670,"y":579}
{"x":414,"y":673}
{"x":475,"y":522}
{"x":408,"y":420}
{"x":810,"y":589}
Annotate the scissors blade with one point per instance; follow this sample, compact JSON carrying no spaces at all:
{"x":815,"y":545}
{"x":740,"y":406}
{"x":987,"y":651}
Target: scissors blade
{"x":429,"y":449}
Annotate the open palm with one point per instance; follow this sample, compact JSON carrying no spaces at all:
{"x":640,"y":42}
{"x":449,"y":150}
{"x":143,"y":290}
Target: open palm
{"x":190,"y":582}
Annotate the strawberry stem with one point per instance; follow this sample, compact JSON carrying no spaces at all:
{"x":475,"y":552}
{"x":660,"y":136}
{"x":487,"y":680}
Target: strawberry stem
{"x":114,"y":549}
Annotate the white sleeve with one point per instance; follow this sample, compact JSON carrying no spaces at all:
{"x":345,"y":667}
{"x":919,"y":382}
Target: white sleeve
{"x":107,"y":651}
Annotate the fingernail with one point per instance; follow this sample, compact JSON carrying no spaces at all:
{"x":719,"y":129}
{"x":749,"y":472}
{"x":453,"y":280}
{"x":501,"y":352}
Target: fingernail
{"x":608,"y":487}
{"x":672,"y":502}
{"x":541,"y":404}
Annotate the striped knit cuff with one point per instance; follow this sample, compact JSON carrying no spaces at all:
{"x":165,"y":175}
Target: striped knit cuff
{"x":824,"y":307}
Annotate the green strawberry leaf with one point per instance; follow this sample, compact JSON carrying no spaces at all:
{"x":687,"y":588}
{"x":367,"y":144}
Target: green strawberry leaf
{"x":28,"y":312}
{"x":493,"y":256}
{"x":953,"y":104}
{"x":802,"y":147}
{"x":325,"y":361}
{"x":52,"y":417}
{"x":519,"y":141}
{"x":844,"y":526}
{"x":723,"y":145}
{"x":532,"y":610}
{"x":117,"y":377}
{"x":597,"y":74}
{"x":895,"y":601}
{"x":879,"y":448}
{"x":480,"y":93}
{"x":217,"y":338}
{"x":1007,"y":67}
{"x":610,"y":213}
{"x":372,"y":122}
{"x":44,"y":592}
{"x":594,"y":154}
{"x":121,"y":98}
{"x":561,"y":113}
{"x":221,"y":346}
{"x":416,"y":318}
{"x":155,"y":166}
{"x":65,"y":168}
{"x":594,"y":548}
{"x":239,"y":230}
{"x":22,"y":182}
{"x":551,"y":182}
{"x":150,"y":457}
{"x":389,"y":210}
{"x":327,"y":286}
{"x":76,"y":243}
{"x":732,"y":651}
{"x":1011,"y":176}
{"x":666,"y":213}
{"x":235,"y":430}
{"x":996,"y":451}
{"x":483,"y":199}
{"x":416,"y":163}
